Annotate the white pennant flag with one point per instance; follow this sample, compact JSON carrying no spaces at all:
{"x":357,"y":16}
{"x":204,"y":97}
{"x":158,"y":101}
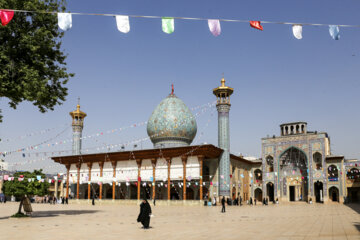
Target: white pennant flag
{"x":297,"y":31}
{"x":64,"y":21}
{"x":122,"y":23}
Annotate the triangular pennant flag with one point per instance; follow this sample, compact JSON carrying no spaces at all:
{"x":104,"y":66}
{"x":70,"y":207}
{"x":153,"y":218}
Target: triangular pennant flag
{"x":64,"y":21}
{"x":168,"y":25}
{"x":6,"y":16}
{"x":122,"y":23}
{"x":256,"y":24}
{"x":214,"y":26}
{"x":297,"y":31}
{"x":334,"y":32}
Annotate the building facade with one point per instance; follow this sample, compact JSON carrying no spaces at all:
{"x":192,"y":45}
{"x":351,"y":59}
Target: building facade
{"x":298,"y":166}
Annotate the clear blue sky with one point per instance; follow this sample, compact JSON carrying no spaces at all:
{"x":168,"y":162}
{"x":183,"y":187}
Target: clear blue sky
{"x":277,"y":78}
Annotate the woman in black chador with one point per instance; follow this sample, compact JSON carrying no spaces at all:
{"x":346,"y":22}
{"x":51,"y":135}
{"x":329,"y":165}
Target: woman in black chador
{"x":145,"y":212}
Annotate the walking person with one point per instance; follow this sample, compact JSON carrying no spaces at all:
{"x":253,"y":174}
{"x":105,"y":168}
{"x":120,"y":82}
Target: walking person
{"x":144,"y":215}
{"x":223,"y":204}
{"x":255,"y":201}
{"x":93,"y":200}
{"x":240,"y":200}
{"x":154,"y":201}
{"x":67,"y":200}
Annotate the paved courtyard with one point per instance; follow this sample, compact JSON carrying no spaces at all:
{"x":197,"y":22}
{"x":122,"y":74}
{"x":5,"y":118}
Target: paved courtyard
{"x":290,"y":221}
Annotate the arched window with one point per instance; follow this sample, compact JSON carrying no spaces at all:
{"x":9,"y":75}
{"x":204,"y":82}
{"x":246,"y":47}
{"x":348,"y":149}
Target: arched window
{"x":302,"y":129}
{"x":292,"y":130}
{"x":258,"y":175}
{"x":269,"y":164}
{"x":333,"y":173}
{"x":317,"y":158}
{"x":297,"y":128}
{"x":286,"y":130}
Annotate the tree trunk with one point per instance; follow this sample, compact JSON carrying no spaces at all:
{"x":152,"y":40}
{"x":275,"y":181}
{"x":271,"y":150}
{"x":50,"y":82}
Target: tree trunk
{"x":21,"y":204}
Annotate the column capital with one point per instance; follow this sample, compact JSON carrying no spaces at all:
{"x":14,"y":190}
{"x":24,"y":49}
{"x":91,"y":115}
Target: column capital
{"x":68,"y":166}
{"x":114,"y":163}
{"x":200,"y":157}
{"x":184,"y":159}
{"x":168,"y":160}
{"x":153,"y":162}
{"x":101,"y":164}
{"x":89,"y":165}
{"x":78,"y":166}
{"x":138,"y":162}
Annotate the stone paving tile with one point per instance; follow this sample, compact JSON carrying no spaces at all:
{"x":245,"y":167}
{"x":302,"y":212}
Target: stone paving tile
{"x":296,"y":221}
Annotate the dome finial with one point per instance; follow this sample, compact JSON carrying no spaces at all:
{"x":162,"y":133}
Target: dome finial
{"x":223,"y":80}
{"x":172,"y":89}
{"x":78,"y":104}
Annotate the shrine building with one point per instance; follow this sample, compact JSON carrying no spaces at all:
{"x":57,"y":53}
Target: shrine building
{"x":173,"y":170}
{"x":296,"y":166}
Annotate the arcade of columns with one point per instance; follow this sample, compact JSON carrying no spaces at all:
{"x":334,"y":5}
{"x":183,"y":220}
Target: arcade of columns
{"x":138,"y":161}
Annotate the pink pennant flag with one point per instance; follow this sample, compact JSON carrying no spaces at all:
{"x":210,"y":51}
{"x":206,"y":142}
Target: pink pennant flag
{"x":6,"y":16}
{"x":214,"y":26}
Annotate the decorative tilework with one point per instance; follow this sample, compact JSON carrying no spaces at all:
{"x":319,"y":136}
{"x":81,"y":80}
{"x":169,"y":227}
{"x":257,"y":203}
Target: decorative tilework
{"x":171,"y":123}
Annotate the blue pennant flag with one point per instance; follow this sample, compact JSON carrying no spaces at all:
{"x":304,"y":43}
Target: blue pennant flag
{"x":334,"y":32}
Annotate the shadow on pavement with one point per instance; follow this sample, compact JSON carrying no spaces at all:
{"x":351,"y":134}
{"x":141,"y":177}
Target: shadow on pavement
{"x":39,"y":214}
{"x":356,"y":208}
{"x":357,"y":225}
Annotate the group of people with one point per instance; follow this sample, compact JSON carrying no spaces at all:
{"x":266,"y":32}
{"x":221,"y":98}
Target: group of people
{"x":146,"y":213}
{"x":238,"y":201}
{"x":52,"y":200}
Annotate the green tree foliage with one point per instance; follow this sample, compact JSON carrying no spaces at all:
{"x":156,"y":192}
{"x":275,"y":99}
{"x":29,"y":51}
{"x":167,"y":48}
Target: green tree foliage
{"x":33,"y":66}
{"x":24,"y":188}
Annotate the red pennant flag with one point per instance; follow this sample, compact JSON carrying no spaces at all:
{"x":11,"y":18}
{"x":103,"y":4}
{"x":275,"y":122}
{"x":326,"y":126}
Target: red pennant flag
{"x":256,"y":24}
{"x":6,"y":16}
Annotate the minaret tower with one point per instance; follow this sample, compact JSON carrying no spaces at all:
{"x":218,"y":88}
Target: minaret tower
{"x":222,"y":94}
{"x":77,"y":126}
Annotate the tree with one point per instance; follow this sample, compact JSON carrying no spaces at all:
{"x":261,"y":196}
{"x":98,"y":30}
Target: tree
{"x":21,"y":187}
{"x":33,"y":66}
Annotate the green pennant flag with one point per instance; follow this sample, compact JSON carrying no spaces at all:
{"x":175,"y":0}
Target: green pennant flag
{"x":168,"y":25}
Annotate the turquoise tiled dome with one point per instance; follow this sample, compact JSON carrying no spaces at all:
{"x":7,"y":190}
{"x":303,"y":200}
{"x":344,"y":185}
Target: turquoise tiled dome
{"x":171,"y":124}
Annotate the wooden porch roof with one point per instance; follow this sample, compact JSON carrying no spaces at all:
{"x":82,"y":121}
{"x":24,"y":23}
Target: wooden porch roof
{"x":208,"y":151}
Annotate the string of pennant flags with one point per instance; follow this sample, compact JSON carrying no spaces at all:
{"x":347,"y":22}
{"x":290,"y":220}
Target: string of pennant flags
{"x":201,"y":109}
{"x":109,"y":147}
{"x":168,"y":23}
{"x":32,"y":134}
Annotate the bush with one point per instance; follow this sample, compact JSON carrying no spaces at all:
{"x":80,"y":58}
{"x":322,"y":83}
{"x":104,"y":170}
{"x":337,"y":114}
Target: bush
{"x":19,"y":215}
